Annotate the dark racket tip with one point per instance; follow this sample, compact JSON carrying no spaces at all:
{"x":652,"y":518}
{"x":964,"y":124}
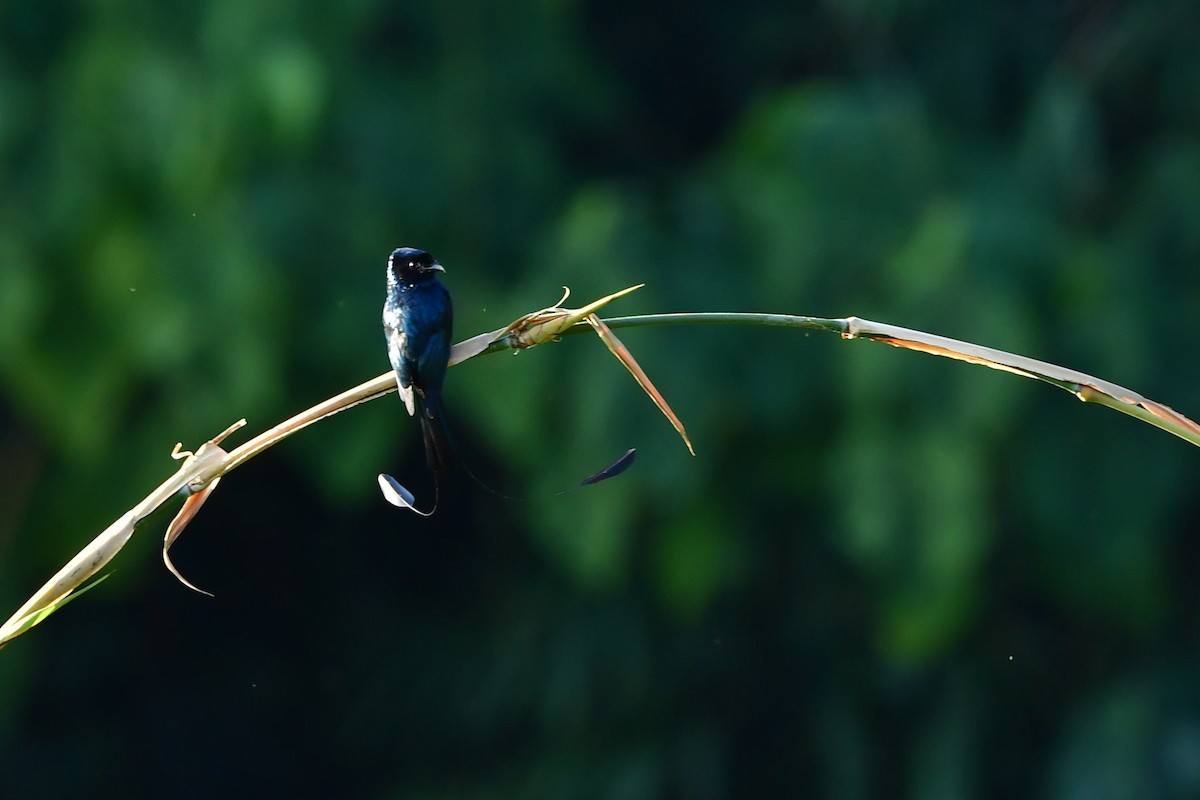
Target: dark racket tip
{"x":612,"y":470}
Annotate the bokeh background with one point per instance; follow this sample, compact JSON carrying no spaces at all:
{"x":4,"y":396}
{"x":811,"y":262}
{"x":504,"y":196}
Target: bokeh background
{"x":884,"y":574}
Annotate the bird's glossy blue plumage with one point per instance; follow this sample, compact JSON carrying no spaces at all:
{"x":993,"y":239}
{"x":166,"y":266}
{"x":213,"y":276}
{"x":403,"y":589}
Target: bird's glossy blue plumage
{"x":417,"y":321}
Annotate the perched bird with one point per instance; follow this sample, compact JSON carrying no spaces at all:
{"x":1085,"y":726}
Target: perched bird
{"x":417,"y":318}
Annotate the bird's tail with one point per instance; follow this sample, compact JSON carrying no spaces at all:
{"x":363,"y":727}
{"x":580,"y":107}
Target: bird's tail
{"x":439,"y":453}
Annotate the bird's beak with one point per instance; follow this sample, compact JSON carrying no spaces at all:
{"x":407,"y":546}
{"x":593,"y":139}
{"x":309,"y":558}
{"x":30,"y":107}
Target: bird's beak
{"x":435,"y":265}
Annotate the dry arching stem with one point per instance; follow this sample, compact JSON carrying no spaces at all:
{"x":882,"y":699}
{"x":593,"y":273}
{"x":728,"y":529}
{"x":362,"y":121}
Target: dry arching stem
{"x":200,"y":472}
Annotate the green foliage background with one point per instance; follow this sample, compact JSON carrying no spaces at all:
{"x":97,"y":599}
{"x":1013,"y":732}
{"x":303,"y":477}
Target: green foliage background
{"x":884,"y":575}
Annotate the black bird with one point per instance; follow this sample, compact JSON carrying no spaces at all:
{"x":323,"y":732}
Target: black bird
{"x":417,"y":318}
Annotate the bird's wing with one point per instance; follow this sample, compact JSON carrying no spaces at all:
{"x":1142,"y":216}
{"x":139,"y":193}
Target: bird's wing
{"x":431,"y":367}
{"x":397,"y":342}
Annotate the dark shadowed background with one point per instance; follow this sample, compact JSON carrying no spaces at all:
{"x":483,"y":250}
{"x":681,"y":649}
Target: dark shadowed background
{"x":884,"y":574}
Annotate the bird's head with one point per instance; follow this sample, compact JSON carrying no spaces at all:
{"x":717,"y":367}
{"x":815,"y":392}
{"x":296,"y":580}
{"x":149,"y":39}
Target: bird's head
{"x":410,"y":265}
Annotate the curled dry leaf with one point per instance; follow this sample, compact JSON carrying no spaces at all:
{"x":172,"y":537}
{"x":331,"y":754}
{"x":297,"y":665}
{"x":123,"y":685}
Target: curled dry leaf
{"x":185,"y":515}
{"x":200,"y":492}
